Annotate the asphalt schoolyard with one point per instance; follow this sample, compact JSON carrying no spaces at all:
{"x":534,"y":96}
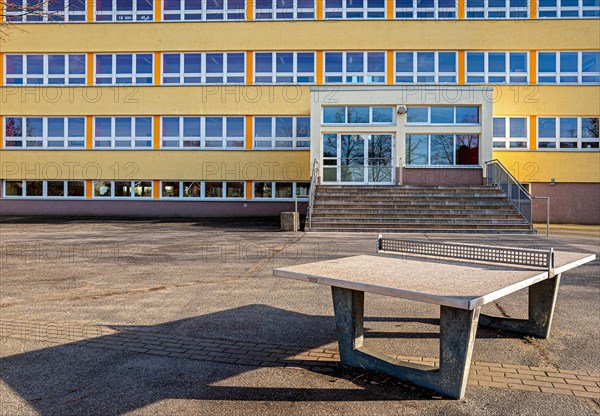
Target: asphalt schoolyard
{"x":83,"y":303}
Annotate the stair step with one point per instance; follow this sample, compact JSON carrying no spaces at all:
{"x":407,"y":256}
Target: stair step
{"x":420,"y":230}
{"x":442,"y":215}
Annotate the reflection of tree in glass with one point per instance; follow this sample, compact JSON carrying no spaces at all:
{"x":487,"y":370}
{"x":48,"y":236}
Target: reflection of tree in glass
{"x":358,"y":115}
{"x":351,"y":156}
{"x":590,"y":127}
{"x":417,"y":149}
{"x":467,"y":149}
{"x":380,"y":158}
{"x":442,"y":151}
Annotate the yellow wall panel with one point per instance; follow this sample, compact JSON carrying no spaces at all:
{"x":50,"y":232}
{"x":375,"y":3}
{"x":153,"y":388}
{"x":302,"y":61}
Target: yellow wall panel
{"x":522,"y":100}
{"x":329,"y":35}
{"x":266,"y":165}
{"x":541,"y":166}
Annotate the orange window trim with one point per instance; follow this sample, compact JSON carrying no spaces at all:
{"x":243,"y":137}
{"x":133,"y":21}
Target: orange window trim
{"x":390,"y":67}
{"x":319,"y":9}
{"x":248,"y":132}
{"x":1,"y":131}
{"x":90,"y":11}
{"x":89,"y":132}
{"x":389,"y":11}
{"x":157,"y":64}
{"x":533,"y":67}
{"x":461,"y":67}
{"x":250,"y":10}
{"x":156,"y":189}
{"x":320,"y":69}
{"x":249,"y":67}
{"x":90,"y":69}
{"x":248,"y":190}
{"x":1,"y":68}
{"x":532,"y":132}
{"x":88,"y":189}
{"x":157,"y":10}
{"x":461,"y":9}
{"x":532,"y":9}
{"x":156,"y":138}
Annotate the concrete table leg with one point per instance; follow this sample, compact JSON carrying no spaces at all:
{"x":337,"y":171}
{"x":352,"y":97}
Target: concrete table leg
{"x":457,"y":336}
{"x":542,"y":300}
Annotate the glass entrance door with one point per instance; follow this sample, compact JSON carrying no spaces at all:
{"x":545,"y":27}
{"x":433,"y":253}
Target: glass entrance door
{"x":358,"y":158}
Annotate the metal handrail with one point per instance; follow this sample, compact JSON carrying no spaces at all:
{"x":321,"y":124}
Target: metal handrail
{"x":514,"y":182}
{"x":312,"y":191}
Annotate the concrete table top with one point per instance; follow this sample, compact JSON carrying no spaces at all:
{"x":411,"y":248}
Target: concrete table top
{"x":458,"y":284}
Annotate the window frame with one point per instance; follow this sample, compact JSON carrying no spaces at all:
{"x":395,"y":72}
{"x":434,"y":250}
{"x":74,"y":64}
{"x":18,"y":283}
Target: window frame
{"x":116,"y":14}
{"x":486,"y":10}
{"x":366,"y":12}
{"x":132,"y":185}
{"x":508,"y":139}
{"x":274,"y":10}
{"x":203,"y":74}
{"x":429,"y":123}
{"x":133,"y":75}
{"x":424,"y":13}
{"x":557,"y":139}
{"x":113,"y":137}
{"x":228,"y":13}
{"x":454,"y":141}
{"x":44,"y":138}
{"x":274,"y":139}
{"x":295,"y":74}
{"x":365,"y":74}
{"x":203,"y":196}
{"x":45,"y":76}
{"x":558,"y":73}
{"x":203,"y":138}
{"x":45,"y":15}
{"x":44,"y":189}
{"x":507,"y":74}
{"x":369,"y":123}
{"x":559,"y":9}
{"x":274,"y":191}
{"x":415,"y":73}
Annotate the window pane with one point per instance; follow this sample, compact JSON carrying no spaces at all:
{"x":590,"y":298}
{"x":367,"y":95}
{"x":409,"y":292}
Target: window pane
{"x":358,"y":114}
{"x":34,"y":188}
{"x":191,"y":126}
{"x":425,"y":62}
{"x":417,"y":149}
{"x":284,"y":190}
{"x":283,"y":127}
{"x":447,"y":62}
{"x":334,"y":114}
{"x":589,"y":127}
{"x":235,"y":63}
{"x":518,"y":127}
{"x":440,"y":114}
{"x":568,"y":62}
{"x":547,"y":62}
{"x":354,"y":62}
{"x":442,"y":149}
{"x":417,"y":115}
{"x":76,"y":126}
{"x":34,"y":127}
{"x":475,"y":62}
{"x":122,"y":127}
{"x":496,"y":62}
{"x":590,"y":61}
{"x":467,"y":115}
{"x":103,"y":127}
{"x":56,"y":127}
{"x":55,"y":188}
{"x":333,"y":62}
{"x":518,"y":62}
{"x":214,"y":127}
{"x":263,"y":127}
{"x":235,"y":127}
{"x":383,"y":114}
{"x":284,"y":62}
{"x":263,"y":190}
{"x":547,"y":127}
{"x":467,"y":149}
{"x":13,"y":188}
{"x":56,"y":64}
{"x":303,"y":127}
{"x":499,"y":127}
{"x":404,"y":62}
{"x":235,"y":189}
{"x":306,"y":62}
{"x":143,"y":127}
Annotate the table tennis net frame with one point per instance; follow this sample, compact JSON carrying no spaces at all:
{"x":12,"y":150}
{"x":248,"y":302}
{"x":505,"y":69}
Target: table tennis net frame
{"x":491,"y":254}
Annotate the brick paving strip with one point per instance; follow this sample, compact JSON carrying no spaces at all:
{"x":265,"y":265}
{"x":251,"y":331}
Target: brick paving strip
{"x":509,"y":376}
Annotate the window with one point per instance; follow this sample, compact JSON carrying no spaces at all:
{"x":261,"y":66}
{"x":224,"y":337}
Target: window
{"x":284,"y":9}
{"x":45,"y":69}
{"x":426,"y":67}
{"x":195,"y":10}
{"x":44,"y":189}
{"x":497,"y":67}
{"x":203,"y":132}
{"x":358,"y":115}
{"x":172,"y":190}
{"x":43,"y":11}
{"x":442,"y":115}
{"x":497,"y":9}
{"x":123,"y":189}
{"x":204,"y":68}
{"x":122,"y":132}
{"x":568,"y":8}
{"x":284,"y":67}
{"x":355,"y":9}
{"x":569,"y":67}
{"x":124,"y":10}
{"x":133,"y":69}
{"x":426,"y":9}
{"x":355,"y":67}
{"x":280,"y":190}
{"x":568,"y":133}
{"x":442,"y":149}
{"x":282,"y":132}
{"x":510,"y":133}
{"x":44,"y":132}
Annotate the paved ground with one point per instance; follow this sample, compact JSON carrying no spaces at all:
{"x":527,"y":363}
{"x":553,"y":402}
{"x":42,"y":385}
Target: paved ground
{"x":181,"y":318}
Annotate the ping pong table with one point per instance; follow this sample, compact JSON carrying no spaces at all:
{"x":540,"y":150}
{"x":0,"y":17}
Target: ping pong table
{"x":460,"y":278}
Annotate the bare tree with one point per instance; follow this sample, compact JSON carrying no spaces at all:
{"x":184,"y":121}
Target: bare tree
{"x":24,"y":11}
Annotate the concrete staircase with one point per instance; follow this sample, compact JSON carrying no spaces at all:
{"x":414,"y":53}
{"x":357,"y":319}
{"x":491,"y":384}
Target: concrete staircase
{"x":405,"y":209}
